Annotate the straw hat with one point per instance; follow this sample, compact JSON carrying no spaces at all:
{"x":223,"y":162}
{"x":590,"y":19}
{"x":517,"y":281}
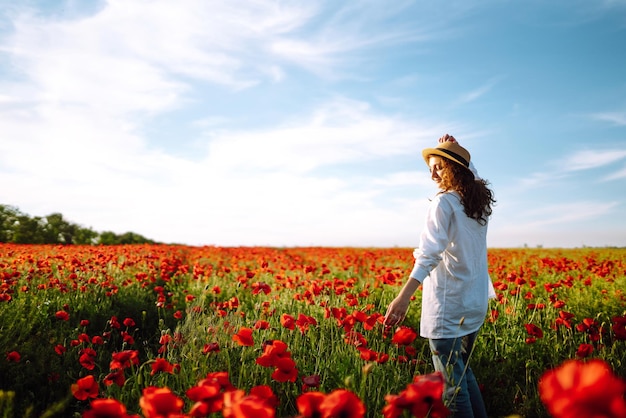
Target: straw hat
{"x":450,"y":150}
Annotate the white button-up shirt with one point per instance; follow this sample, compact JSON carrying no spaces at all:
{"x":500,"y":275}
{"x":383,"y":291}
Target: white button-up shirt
{"x":451,"y":264}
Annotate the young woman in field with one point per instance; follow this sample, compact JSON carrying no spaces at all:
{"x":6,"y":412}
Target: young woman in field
{"x":451,"y":264}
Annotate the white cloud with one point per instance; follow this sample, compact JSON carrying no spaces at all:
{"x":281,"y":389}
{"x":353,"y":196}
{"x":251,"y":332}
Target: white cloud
{"x":131,"y":57}
{"x":577,"y":161}
{"x":616,"y":118}
{"x":620,"y":174}
{"x":478,"y":92}
{"x":74,"y":118}
{"x":339,"y":132}
{"x":583,"y":160}
{"x":252,"y":187}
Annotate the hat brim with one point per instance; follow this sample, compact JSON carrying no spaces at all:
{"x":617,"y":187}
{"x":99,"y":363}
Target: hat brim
{"x":452,"y":156}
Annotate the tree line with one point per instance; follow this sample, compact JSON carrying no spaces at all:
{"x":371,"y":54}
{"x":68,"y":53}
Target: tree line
{"x":20,"y":228}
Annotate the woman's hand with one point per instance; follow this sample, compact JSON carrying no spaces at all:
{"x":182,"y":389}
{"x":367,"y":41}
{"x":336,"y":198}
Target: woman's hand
{"x":396,"y":312}
{"x":397,"y":309}
{"x":447,"y":138}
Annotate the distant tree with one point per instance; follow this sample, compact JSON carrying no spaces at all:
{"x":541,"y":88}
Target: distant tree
{"x":57,"y":230}
{"x":20,"y":228}
{"x":8,"y":220}
{"x":85,"y":236}
{"x":28,"y":230}
{"x":111,"y":238}
{"x":132,"y":238}
{"x":107,"y":238}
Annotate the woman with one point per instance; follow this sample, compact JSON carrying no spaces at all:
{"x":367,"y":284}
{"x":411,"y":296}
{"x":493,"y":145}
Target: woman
{"x":451,"y":264}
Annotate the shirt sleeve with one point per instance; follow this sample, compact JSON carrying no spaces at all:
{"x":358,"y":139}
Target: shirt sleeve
{"x":434,"y":238}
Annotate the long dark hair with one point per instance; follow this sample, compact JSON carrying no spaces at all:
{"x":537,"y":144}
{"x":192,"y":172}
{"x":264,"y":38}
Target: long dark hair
{"x":476,"y":197}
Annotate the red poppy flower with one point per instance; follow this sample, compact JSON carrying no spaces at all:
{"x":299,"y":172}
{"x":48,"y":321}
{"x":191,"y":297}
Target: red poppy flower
{"x":211,"y":348}
{"x":114,"y":322}
{"x":534,"y":331}
{"x":116,"y":377}
{"x":13,"y":357}
{"x":124,"y":359}
{"x":60,"y":349}
{"x":342,"y":403}
{"x":312,"y":381}
{"x":87,"y":358}
{"x":404,"y":336}
{"x":84,"y":388}
{"x":273,"y":351}
{"x":288,"y":321}
{"x":308,"y":404}
{"x":367,"y":354}
{"x":261,"y":324}
{"x":244,"y":337}
{"x":266,"y":393}
{"x":355,"y":338}
{"x":304,"y":321}
{"x":160,"y":402}
{"x":208,"y":394}
{"x":579,"y":389}
{"x":127,"y":338}
{"x":584,"y":350}
{"x":422,"y":397}
{"x":238,"y":405}
{"x":107,"y":408}
{"x":619,"y":327}
{"x":208,"y":398}
{"x":62,"y":315}
{"x":260,"y":287}
{"x":382,"y":358}
{"x":129,"y":322}
{"x":285,"y":371}
{"x":371,"y":321}
{"x":220,"y":378}
{"x":162,"y":365}
{"x":564,"y":319}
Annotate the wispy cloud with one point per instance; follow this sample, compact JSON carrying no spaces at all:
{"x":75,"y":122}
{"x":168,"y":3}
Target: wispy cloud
{"x":577,"y":161}
{"x":620,"y":174}
{"x":338,"y":40}
{"x":615,"y":118}
{"x":587,"y":159}
{"x":341,"y":131}
{"x":478,"y":92}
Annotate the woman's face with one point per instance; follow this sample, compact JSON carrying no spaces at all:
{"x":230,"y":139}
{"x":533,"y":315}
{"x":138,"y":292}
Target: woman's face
{"x":436,"y":169}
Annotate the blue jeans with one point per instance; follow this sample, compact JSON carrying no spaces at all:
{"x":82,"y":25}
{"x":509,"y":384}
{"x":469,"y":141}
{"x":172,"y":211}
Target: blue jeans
{"x":451,"y":357}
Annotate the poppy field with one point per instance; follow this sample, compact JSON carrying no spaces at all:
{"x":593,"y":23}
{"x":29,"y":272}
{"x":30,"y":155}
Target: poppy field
{"x":179,"y":331}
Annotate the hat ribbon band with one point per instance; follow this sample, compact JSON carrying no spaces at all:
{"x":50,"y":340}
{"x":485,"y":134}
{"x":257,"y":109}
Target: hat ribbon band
{"x":456,"y":156}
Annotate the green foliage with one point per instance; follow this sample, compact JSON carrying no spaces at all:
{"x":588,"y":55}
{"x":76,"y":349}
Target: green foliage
{"x":19,"y":228}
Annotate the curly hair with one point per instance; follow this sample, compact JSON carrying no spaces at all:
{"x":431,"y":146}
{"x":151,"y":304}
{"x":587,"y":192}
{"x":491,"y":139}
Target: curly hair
{"x":476,"y":197}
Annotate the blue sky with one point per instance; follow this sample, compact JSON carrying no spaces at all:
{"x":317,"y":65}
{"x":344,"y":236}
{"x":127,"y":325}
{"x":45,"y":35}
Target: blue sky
{"x":289,"y":123}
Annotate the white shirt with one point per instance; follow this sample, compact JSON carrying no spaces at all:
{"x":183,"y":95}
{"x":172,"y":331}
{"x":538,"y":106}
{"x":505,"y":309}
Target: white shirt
{"x":451,"y":263}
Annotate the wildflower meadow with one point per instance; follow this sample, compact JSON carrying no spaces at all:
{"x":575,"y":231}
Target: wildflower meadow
{"x":177,"y":331}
